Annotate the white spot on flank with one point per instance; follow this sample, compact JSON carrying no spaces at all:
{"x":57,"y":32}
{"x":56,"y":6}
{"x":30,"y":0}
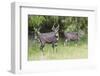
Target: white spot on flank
{"x":66,"y":40}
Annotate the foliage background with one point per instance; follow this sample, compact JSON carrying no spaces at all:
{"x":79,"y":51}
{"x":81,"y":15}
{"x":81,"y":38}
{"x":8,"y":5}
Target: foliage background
{"x":67,"y":23}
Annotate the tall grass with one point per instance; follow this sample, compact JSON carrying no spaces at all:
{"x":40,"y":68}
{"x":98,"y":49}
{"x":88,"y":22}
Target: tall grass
{"x":73,"y":50}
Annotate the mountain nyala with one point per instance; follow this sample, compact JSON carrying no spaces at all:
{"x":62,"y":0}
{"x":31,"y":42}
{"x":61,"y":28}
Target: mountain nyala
{"x":49,"y":38}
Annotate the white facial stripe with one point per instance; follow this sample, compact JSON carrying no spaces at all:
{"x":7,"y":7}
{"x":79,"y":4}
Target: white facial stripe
{"x":57,"y":39}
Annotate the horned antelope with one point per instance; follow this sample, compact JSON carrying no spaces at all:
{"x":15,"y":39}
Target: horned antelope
{"x":50,"y":38}
{"x":72,"y":36}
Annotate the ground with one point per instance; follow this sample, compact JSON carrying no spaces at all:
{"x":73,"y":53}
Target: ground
{"x":73,"y":50}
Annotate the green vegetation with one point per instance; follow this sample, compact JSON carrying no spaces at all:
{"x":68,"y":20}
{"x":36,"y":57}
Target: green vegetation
{"x":67,"y":23}
{"x":73,"y":50}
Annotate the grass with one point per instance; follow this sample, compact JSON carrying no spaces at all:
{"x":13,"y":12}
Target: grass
{"x":73,"y":50}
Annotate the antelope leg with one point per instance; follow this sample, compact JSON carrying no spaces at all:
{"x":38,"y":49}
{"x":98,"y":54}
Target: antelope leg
{"x":41,"y":48}
{"x":56,"y":46}
{"x":65,"y":42}
{"x":53,"y":46}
